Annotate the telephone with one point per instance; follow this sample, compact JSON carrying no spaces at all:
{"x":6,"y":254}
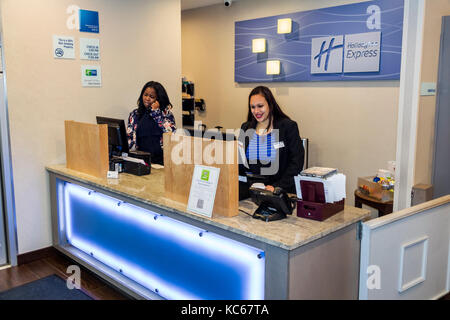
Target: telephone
{"x":272,"y":205}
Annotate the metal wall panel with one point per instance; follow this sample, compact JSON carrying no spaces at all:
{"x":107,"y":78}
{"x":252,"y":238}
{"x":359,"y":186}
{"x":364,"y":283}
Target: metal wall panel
{"x":441,"y":168}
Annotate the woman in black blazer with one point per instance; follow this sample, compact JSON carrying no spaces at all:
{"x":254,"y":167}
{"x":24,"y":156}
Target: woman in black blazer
{"x":271,"y":142}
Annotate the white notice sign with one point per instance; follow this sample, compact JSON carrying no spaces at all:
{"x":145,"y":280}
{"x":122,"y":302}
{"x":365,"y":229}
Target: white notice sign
{"x":89,"y":49}
{"x":203,"y":190}
{"x":91,"y":76}
{"x":63,"y":47}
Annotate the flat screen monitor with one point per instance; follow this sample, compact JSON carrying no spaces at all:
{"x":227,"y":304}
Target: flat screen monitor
{"x":117,"y":135}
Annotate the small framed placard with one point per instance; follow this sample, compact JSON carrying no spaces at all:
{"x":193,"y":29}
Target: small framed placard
{"x":203,"y":190}
{"x":89,"y":49}
{"x":89,"y":21}
{"x":63,"y":47}
{"x":91,"y":76}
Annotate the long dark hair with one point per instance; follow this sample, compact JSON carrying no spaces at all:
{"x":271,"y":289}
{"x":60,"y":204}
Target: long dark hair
{"x":161,"y":97}
{"x":275,"y":112}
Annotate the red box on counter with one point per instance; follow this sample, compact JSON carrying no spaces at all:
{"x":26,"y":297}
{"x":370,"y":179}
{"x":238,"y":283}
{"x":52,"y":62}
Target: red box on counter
{"x":313,"y":205}
{"x":318,"y":211}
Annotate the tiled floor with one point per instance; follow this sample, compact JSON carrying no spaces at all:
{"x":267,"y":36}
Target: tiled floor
{"x":57,"y":264}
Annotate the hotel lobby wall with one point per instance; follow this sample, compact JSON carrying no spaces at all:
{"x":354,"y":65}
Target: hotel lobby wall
{"x":350,"y":125}
{"x":139,"y":41}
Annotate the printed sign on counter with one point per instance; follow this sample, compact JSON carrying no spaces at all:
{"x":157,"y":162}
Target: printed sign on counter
{"x":91,"y":76}
{"x":63,"y":47}
{"x":89,"y":49}
{"x":203,"y":190}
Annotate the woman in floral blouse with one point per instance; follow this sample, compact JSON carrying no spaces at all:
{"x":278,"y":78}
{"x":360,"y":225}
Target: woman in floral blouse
{"x":150,"y":120}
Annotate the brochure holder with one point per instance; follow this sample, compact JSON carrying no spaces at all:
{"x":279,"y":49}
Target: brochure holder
{"x":313,"y":205}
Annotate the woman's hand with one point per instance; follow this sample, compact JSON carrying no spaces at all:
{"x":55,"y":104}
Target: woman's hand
{"x":270,"y":188}
{"x":155,"y":105}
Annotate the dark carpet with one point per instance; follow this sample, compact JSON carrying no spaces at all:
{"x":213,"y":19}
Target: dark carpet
{"x":48,"y":288}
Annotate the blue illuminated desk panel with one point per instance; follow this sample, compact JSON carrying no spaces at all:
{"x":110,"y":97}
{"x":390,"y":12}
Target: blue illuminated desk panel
{"x":127,"y":232}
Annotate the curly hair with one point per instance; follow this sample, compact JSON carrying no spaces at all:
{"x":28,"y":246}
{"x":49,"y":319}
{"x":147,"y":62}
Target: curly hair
{"x":161,"y":97}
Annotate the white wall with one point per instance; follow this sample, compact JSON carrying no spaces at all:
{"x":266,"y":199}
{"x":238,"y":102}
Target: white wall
{"x":139,"y":41}
{"x":352,"y":126}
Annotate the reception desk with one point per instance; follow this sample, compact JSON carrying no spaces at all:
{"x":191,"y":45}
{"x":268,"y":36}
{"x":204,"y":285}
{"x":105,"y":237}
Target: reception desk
{"x":126,"y":231}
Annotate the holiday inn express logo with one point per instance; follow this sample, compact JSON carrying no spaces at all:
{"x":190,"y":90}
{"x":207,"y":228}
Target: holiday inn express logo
{"x":346,"y":53}
{"x":327,"y":52}
{"x":205,"y":175}
{"x":91,"y":72}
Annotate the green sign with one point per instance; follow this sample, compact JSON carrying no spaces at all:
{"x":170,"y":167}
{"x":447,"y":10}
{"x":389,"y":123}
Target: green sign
{"x":91,"y":73}
{"x":205,"y":175}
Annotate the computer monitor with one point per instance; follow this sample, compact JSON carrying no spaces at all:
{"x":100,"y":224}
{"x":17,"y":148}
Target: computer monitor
{"x":117,"y":135}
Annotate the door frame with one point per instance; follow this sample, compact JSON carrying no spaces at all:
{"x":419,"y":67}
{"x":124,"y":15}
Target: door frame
{"x":413,"y":24}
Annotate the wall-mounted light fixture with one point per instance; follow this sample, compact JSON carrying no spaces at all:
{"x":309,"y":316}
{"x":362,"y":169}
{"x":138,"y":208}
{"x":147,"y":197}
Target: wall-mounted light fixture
{"x":273,"y":67}
{"x":284,"y":25}
{"x":259,"y":45}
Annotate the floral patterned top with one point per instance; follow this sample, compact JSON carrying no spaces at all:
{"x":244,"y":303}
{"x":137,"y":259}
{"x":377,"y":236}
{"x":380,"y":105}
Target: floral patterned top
{"x":164,"y":119}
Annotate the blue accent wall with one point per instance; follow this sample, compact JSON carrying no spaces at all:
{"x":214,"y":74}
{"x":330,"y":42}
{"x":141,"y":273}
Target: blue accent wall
{"x":294,"y":49}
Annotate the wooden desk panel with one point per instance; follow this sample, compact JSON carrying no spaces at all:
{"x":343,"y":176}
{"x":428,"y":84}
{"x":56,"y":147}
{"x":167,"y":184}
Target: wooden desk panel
{"x":87,"y":148}
{"x":182,"y":153}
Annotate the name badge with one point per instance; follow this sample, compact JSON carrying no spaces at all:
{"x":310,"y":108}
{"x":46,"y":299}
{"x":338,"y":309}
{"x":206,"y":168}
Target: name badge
{"x":278,"y":145}
{"x":242,"y":179}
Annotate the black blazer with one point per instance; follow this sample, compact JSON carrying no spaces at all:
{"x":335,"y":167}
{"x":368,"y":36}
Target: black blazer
{"x":291,"y":156}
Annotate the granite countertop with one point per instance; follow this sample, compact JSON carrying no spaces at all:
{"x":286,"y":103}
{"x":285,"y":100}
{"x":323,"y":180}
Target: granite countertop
{"x":289,"y":233}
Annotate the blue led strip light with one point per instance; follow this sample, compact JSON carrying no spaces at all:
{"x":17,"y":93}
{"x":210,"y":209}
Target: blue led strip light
{"x":172,"y":258}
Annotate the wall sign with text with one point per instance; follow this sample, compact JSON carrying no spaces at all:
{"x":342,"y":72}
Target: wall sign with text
{"x":91,"y":76}
{"x":361,"y":41}
{"x":89,"y":21}
{"x":82,"y":20}
{"x":89,"y":49}
{"x":63,"y":47}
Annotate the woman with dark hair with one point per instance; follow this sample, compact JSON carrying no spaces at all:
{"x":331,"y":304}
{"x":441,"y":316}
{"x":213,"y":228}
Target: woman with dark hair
{"x":150,"y":120}
{"x":271,"y":141}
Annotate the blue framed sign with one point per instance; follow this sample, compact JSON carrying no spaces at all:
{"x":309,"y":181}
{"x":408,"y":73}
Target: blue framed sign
{"x":89,"y":21}
{"x":354,"y":42}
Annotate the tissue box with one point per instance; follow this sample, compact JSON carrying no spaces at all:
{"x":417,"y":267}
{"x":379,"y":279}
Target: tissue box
{"x":375,"y":190}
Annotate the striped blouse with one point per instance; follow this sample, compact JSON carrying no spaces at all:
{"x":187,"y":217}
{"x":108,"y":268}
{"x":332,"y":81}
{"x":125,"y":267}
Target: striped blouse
{"x":261,"y":148}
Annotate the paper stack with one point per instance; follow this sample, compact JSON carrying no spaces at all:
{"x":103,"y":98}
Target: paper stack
{"x":333,"y":183}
